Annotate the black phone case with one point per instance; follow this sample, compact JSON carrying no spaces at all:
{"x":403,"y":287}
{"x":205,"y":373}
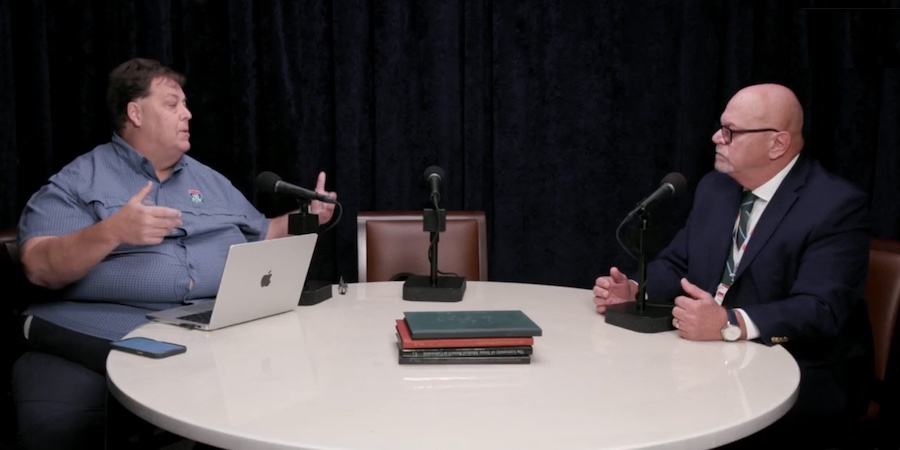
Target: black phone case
{"x":124,"y":345}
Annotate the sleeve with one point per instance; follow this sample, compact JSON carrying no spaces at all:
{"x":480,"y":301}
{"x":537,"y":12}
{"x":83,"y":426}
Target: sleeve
{"x":56,"y":209}
{"x":823,"y":285}
{"x":664,"y":273}
{"x":256,"y":225}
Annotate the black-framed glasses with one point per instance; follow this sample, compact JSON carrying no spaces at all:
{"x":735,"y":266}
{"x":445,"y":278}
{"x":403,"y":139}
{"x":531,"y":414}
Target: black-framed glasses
{"x":728,"y":133}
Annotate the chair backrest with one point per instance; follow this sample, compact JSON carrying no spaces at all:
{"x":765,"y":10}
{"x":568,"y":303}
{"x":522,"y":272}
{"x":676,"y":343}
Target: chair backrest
{"x":10,"y":249}
{"x":883,"y":301}
{"x":888,"y":245}
{"x":11,"y":263}
{"x":393,"y":243}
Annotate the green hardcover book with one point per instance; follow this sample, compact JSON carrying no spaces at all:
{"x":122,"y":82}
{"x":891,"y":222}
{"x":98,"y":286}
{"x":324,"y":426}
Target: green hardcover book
{"x":468,"y":324}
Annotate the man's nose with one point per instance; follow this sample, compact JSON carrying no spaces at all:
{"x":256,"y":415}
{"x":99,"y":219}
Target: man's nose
{"x":717,"y":137}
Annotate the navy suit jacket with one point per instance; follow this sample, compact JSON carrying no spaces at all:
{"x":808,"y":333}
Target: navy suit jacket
{"x":802,"y":275}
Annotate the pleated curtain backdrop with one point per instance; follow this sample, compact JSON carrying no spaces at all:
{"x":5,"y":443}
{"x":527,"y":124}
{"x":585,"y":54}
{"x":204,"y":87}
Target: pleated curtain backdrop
{"x":554,"y":117}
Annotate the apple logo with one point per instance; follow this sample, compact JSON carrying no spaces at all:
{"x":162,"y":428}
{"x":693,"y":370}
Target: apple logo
{"x":266,"y":279}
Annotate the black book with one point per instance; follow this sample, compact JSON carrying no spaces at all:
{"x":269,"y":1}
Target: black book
{"x":523,"y":350}
{"x":514,"y":359}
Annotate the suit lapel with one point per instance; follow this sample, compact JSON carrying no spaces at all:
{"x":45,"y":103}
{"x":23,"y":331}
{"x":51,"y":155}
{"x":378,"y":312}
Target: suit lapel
{"x":775,"y":211}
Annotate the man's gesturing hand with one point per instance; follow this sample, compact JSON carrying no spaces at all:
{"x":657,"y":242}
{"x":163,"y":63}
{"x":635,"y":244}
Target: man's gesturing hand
{"x":138,"y":223}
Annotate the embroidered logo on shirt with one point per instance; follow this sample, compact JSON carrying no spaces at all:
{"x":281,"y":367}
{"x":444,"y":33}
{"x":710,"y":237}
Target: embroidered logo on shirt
{"x":196,"y":196}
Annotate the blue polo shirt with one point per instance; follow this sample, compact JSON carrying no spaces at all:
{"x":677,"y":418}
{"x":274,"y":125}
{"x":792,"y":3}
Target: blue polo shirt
{"x":112,"y":299}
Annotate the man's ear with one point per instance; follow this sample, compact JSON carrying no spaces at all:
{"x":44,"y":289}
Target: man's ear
{"x":134,"y":113}
{"x":780,"y":145}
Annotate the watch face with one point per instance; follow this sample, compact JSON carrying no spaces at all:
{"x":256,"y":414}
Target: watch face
{"x":731,"y":333}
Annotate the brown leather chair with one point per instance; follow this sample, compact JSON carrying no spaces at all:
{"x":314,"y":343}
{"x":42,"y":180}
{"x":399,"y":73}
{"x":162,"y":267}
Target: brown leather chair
{"x":888,"y":245}
{"x":394,"y":243}
{"x":883,"y":300}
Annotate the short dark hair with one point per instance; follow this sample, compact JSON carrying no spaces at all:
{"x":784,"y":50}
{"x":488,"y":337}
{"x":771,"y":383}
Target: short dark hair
{"x":131,"y":80}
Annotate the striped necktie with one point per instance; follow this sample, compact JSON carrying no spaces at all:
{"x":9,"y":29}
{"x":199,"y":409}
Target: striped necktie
{"x":739,"y":236}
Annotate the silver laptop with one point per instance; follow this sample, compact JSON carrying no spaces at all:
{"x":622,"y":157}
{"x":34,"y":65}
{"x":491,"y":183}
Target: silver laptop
{"x":260,"y":279}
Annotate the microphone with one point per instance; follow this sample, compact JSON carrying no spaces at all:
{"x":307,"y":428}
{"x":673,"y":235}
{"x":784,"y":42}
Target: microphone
{"x":671,"y":186}
{"x":637,"y":316}
{"x":434,"y":287}
{"x":271,"y":183}
{"x":433,"y":176}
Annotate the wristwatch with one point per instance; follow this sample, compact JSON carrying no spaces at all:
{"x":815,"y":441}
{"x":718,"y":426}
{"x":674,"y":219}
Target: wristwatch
{"x":732,"y":330}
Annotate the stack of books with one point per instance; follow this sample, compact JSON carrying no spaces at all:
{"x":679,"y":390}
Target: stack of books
{"x":466,"y":337}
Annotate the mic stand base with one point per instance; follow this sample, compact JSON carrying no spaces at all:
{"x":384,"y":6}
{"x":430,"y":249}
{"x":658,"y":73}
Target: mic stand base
{"x":302,"y":222}
{"x":653,"y":319}
{"x":315,"y":292}
{"x":418,"y":288}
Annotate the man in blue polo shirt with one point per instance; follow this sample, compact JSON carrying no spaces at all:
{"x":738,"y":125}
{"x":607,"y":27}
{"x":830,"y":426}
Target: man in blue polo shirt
{"x":132,"y":226}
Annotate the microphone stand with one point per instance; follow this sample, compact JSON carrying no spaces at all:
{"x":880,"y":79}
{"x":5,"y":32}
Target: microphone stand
{"x":638,"y":315}
{"x":433,"y":245}
{"x":643,"y":236}
{"x":303,"y":222}
{"x":434,"y":288}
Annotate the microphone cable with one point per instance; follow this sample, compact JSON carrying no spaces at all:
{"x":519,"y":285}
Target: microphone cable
{"x":335,"y":218}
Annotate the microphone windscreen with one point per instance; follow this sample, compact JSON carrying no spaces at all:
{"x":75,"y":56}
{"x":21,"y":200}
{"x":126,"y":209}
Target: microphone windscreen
{"x":266,"y":182}
{"x":433,"y":170}
{"x":679,"y":184}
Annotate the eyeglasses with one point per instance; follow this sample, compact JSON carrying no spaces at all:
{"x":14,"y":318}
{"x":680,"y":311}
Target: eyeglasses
{"x":728,"y":133}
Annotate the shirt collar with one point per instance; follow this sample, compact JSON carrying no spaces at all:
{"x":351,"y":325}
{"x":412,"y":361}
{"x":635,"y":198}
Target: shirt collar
{"x":136,"y":160}
{"x":767,"y":190}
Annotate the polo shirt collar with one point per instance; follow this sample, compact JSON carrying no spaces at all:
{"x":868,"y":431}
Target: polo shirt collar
{"x":136,"y":160}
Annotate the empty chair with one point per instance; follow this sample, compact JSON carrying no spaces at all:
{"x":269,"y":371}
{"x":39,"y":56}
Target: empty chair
{"x":392,"y":244}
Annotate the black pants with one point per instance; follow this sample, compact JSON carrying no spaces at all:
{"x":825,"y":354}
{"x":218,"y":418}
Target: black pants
{"x":62,"y":401}
{"x":88,"y":351}
{"x":59,"y":389}
{"x":60,"y":393}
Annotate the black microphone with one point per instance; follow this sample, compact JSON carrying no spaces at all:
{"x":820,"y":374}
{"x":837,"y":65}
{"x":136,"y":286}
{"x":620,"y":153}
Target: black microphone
{"x":671,"y":186}
{"x":433,"y":176}
{"x":271,"y":183}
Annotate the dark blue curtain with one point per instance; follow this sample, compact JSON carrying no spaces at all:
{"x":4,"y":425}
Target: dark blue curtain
{"x":555,"y":117}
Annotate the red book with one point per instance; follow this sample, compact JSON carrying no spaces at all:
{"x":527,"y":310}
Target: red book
{"x":406,"y":340}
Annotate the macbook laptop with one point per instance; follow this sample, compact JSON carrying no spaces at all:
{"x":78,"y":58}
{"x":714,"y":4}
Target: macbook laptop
{"x":260,"y":279}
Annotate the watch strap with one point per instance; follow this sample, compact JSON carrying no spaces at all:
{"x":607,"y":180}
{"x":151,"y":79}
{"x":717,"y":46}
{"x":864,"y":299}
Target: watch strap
{"x":732,"y":330}
{"x":732,"y":317}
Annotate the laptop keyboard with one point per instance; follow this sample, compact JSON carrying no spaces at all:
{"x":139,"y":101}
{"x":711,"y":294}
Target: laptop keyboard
{"x":202,"y":317}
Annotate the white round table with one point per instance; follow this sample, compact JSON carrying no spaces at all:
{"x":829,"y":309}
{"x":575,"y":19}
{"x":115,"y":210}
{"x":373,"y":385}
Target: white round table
{"x":327,"y":377}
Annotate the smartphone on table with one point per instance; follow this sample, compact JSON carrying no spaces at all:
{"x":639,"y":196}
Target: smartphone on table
{"x":148,"y":347}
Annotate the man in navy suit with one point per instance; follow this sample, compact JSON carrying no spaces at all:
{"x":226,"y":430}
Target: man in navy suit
{"x":792,"y":272}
